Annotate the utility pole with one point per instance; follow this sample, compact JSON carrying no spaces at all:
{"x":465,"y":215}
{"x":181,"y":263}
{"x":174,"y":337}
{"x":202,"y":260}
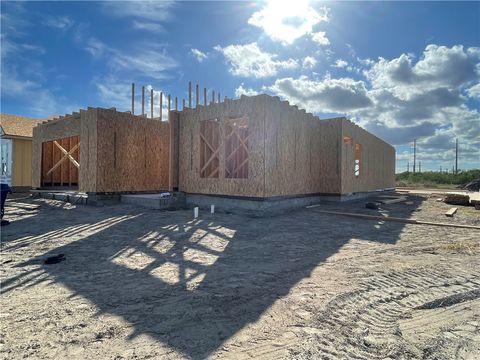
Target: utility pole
{"x":408,"y":166}
{"x":414,"y":154}
{"x":456,"y":156}
{"x":420,"y":166}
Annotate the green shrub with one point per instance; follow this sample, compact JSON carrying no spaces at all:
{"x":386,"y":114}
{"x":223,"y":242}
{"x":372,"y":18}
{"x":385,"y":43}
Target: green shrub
{"x":436,"y":177}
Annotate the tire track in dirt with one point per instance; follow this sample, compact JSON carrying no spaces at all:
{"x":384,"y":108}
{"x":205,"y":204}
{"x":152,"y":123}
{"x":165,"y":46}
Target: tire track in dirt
{"x":363,"y":324}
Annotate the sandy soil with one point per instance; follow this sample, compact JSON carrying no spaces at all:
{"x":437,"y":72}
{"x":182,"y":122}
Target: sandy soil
{"x":139,"y":284}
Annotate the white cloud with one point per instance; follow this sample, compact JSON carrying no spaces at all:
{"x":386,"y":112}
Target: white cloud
{"x":199,"y":55}
{"x":320,"y":38}
{"x":439,"y":66}
{"x":145,"y":15}
{"x":339,"y":63}
{"x":60,"y":23}
{"x":249,"y":60}
{"x":327,"y":95}
{"x":474,"y":91}
{"x":245,"y":91}
{"x":147,"y":26}
{"x":286,"y":21}
{"x":309,"y":62}
{"x":149,"y":59}
{"x":153,"y":11}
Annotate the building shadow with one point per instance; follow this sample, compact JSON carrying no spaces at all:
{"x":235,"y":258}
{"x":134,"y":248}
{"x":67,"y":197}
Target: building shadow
{"x":193,"y":284}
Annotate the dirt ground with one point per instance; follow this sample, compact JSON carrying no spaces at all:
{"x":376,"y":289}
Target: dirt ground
{"x":141,"y":284}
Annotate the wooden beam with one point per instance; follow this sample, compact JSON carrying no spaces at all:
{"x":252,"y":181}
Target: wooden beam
{"x":197,"y":95}
{"x":143,"y":100}
{"x":176,"y":103}
{"x":133,"y":98}
{"x":395,"y":219}
{"x":67,"y":155}
{"x":451,"y":212}
{"x":169,"y":104}
{"x":190,"y":94}
{"x":205,"y":96}
{"x":161,"y":105}
{"x":151,"y":103}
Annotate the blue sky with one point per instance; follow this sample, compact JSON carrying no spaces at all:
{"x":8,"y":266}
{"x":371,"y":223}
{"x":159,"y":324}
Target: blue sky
{"x":402,"y":70}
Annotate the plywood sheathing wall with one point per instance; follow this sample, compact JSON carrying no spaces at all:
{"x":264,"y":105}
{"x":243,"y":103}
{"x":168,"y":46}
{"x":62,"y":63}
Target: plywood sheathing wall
{"x":189,"y":153}
{"x":53,"y":130}
{"x":132,"y":153}
{"x":301,"y":151}
{"x":377,"y":161}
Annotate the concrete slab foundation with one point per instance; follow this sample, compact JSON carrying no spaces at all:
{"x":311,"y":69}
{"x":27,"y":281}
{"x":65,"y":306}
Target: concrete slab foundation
{"x":272,"y":205}
{"x":164,"y":201}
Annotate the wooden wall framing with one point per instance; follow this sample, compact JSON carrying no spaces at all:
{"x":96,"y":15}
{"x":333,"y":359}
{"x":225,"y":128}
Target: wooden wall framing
{"x":60,"y":162}
{"x":120,"y":152}
{"x":255,"y":147}
{"x":290,"y":152}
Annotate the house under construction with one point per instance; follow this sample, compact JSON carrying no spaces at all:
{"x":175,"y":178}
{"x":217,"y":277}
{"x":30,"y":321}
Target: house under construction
{"x":256,"y":147}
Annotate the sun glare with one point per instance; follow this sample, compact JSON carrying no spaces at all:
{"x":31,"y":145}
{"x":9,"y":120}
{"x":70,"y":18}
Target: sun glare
{"x":286,"y":21}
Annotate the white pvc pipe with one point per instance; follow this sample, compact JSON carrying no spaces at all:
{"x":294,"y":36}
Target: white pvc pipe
{"x":195,"y":212}
{"x":212,"y":209}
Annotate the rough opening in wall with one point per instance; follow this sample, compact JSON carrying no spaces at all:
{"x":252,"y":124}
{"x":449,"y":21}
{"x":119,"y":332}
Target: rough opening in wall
{"x":347,"y":140}
{"x":358,"y":154}
{"x":236,"y":148}
{"x":209,"y":148}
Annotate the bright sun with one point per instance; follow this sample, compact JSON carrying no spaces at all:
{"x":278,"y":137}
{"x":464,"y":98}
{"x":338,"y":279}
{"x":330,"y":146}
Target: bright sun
{"x":286,"y":21}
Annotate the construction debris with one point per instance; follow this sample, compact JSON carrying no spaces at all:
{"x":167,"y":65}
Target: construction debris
{"x":472,"y":185}
{"x":457,"y":199}
{"x":451,"y":212}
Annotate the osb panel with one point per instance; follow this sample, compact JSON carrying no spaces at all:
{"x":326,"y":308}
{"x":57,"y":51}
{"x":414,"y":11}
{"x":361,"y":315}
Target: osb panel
{"x":377,"y":161}
{"x":173,"y":120}
{"x":301,"y":152}
{"x":57,"y":129}
{"x":189,"y":159}
{"x":88,"y":149}
{"x":132,"y":153}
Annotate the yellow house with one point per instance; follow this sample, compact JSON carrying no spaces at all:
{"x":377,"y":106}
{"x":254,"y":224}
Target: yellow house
{"x":16,"y":144}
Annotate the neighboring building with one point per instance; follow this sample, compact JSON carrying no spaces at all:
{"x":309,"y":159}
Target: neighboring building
{"x":16,"y":139}
{"x":254,"y":148}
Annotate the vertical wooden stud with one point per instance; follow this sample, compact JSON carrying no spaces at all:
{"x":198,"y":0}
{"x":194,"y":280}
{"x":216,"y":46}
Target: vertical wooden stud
{"x":133,"y":98}
{"x":151,"y":103}
{"x":169,"y":107}
{"x":190,"y":94}
{"x":205,"y":96}
{"x":197,"y":95}
{"x":213,"y":96}
{"x":143,"y":100}
{"x":176,"y":103}
{"x":161,"y":105}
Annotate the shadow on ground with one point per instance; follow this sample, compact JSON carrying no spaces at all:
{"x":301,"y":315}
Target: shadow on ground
{"x":189,"y":284}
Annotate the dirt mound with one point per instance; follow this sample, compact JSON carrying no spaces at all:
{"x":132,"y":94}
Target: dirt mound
{"x":473,"y":185}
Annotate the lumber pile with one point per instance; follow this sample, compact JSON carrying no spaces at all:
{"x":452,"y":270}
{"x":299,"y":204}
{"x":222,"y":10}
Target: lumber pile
{"x":457,"y":199}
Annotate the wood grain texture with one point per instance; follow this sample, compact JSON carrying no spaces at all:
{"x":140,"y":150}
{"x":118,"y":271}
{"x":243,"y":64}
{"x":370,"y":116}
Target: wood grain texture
{"x":189,"y":153}
{"x":377,"y":161}
{"x":132,"y":153}
{"x":53,"y":130}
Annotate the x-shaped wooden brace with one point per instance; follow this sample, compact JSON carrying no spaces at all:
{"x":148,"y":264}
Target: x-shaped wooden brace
{"x":212,"y":157}
{"x":66,"y":155}
{"x":242,"y":144}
